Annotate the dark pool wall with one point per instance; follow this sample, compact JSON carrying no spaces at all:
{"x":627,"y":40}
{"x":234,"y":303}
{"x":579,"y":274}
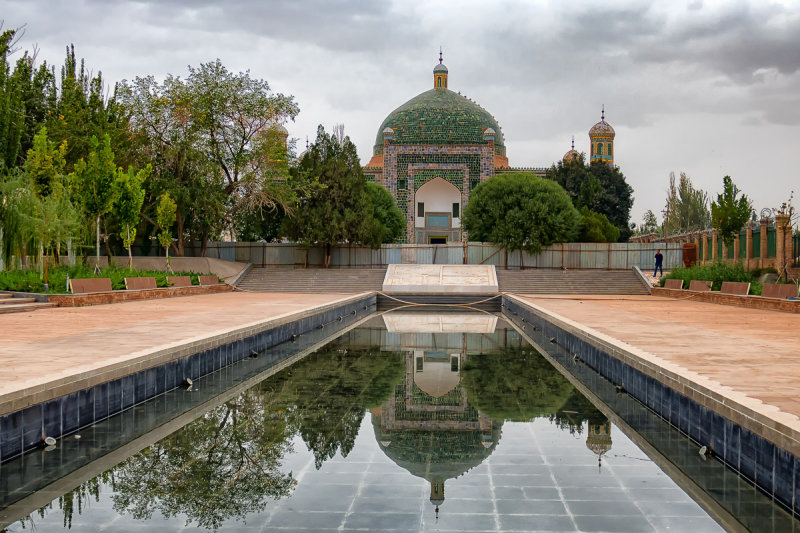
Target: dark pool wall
{"x":23,"y":430}
{"x":771,"y":468}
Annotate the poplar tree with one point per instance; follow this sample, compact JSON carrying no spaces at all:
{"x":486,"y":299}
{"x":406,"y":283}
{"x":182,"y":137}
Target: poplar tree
{"x":95,"y":180}
{"x":129,"y":204}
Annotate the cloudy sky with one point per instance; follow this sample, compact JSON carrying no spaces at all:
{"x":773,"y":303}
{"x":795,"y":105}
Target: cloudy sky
{"x":704,"y":87}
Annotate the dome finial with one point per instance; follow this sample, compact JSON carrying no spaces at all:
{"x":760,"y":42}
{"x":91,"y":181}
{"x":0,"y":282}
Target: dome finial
{"x":603,"y":112}
{"x":440,"y":54}
{"x":573,"y":142}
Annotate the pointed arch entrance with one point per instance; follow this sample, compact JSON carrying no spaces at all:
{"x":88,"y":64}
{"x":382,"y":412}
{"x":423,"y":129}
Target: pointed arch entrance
{"x":437,"y":212}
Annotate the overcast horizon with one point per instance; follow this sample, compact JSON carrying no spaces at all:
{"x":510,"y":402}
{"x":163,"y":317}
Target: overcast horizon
{"x":706,"y":88}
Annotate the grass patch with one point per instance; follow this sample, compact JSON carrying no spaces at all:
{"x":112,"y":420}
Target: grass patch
{"x":716,"y":273}
{"x":32,"y":281}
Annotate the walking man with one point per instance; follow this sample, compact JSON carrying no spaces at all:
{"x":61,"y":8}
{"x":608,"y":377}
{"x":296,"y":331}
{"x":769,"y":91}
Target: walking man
{"x":659,"y":261}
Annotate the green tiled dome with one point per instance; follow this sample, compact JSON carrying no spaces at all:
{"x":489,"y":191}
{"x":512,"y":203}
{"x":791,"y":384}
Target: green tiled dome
{"x":440,"y":116}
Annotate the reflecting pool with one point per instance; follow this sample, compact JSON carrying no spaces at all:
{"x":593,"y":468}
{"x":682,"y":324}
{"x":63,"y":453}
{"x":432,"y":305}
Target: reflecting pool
{"x":409,"y":422}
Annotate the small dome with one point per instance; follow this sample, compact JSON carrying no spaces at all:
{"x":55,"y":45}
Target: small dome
{"x":387,"y":130}
{"x":602,"y":129}
{"x":440,"y":68}
{"x":572,"y":155}
{"x":437,"y":501}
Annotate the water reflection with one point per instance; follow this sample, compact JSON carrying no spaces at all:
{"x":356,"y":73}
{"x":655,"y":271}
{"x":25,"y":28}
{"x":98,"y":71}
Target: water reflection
{"x":438,"y":389}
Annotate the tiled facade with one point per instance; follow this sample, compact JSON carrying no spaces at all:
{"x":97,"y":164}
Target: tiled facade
{"x":446,"y":135}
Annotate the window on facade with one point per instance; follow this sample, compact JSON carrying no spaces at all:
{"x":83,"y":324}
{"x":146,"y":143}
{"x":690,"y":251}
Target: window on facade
{"x":591,"y":151}
{"x":420,"y":364}
{"x":420,"y":209}
{"x":438,"y":82}
{"x":599,"y":148}
{"x":456,"y":209}
{"x":610,"y":151}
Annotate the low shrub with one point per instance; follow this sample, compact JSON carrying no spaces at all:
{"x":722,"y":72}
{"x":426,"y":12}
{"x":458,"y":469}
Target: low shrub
{"x":32,"y":281}
{"x":716,"y":273}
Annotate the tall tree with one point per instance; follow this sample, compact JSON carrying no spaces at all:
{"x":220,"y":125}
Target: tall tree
{"x":601,"y":188}
{"x":129,"y":204}
{"x":338,"y":210}
{"x":686,"y":207}
{"x":729,"y":213}
{"x":650,"y":222}
{"x":521,"y":212}
{"x":165,"y":219}
{"x":95,"y":180}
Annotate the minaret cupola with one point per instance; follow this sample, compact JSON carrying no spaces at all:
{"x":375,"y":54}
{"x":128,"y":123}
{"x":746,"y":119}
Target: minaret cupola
{"x":440,"y":74}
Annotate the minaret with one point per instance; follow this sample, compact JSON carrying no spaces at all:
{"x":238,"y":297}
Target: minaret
{"x":440,"y":74}
{"x":601,"y":138}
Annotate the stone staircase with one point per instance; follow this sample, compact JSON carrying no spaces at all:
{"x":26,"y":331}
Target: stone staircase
{"x":557,"y":281}
{"x":316,"y":280}
{"x":11,"y":304}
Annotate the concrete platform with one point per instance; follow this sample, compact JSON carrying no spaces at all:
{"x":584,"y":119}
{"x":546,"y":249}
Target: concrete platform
{"x":52,"y":351}
{"x":440,"y":279}
{"x":745,"y":360}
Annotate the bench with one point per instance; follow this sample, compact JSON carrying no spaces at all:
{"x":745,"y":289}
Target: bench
{"x":209,"y":280}
{"x":140,"y":283}
{"x":779,"y":290}
{"x":673,"y":284}
{"x":740,"y":288}
{"x":699,"y":285}
{"x":83,"y":285}
{"x":179,"y":281}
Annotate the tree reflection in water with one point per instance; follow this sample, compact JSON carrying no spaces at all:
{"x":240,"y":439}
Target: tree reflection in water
{"x":227,"y":463}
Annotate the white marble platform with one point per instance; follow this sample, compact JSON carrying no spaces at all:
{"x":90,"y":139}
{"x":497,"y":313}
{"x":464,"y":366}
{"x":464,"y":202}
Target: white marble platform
{"x":438,"y":279}
{"x":416,"y":322}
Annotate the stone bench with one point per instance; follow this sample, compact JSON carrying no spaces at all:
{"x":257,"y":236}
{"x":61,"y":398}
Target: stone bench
{"x":179,"y":281}
{"x":740,"y":288}
{"x":140,"y":283}
{"x":209,"y":280}
{"x":779,"y":290}
{"x":699,"y":285}
{"x":84,"y":285}
{"x":673,"y":284}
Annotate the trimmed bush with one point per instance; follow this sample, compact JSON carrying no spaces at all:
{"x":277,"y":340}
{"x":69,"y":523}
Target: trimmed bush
{"x":716,"y":273}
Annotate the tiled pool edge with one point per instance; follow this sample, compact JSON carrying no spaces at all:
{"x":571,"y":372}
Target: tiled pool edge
{"x":761,"y":449}
{"x":63,"y":406}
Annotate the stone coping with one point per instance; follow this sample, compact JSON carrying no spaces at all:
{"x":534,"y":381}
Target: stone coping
{"x":143,"y":359}
{"x":715,"y":297}
{"x":108,"y":297}
{"x":767,"y":421}
{"x":449,"y":279}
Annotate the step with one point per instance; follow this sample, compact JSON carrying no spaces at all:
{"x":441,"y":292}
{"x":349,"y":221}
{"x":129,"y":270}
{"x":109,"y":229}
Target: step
{"x":13,"y":301}
{"x":21,"y":308}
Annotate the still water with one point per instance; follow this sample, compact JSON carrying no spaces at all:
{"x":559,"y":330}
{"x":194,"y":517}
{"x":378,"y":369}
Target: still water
{"x":410,"y":422}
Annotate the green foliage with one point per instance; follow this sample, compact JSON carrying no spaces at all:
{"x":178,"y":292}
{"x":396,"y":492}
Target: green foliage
{"x":595,"y":227}
{"x":729,"y":213}
{"x":45,"y":163}
{"x":129,"y":203}
{"x":601,"y":188}
{"x":520,"y":212}
{"x":385,"y":211}
{"x":686,"y":207}
{"x":650,"y":222}
{"x":515,"y":384}
{"x":339,"y":209}
{"x":716,"y":273}
{"x":252,"y":225}
{"x":32,"y":281}
{"x":165,"y":219}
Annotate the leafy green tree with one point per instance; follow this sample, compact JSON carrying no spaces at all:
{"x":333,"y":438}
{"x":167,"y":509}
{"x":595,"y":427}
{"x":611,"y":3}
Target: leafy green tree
{"x":129,"y":204}
{"x":12,"y":108}
{"x":253,"y":225}
{"x":165,"y":218}
{"x":236,"y":117}
{"x":595,"y":227}
{"x":385,"y":210}
{"x":45,"y":163}
{"x":521,"y":212}
{"x":95,"y":180}
{"x":686,"y":207}
{"x":601,"y":188}
{"x":650,"y":222}
{"x":499,"y":384}
{"x":339,"y":209}
{"x":18,"y":220}
{"x":729,"y":213}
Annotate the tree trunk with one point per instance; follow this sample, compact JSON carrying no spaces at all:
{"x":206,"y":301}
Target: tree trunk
{"x":130,"y":245}
{"x":109,"y":253}
{"x":327,"y":255}
{"x":97,"y":243}
{"x":179,"y":246}
{"x":204,"y":246}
